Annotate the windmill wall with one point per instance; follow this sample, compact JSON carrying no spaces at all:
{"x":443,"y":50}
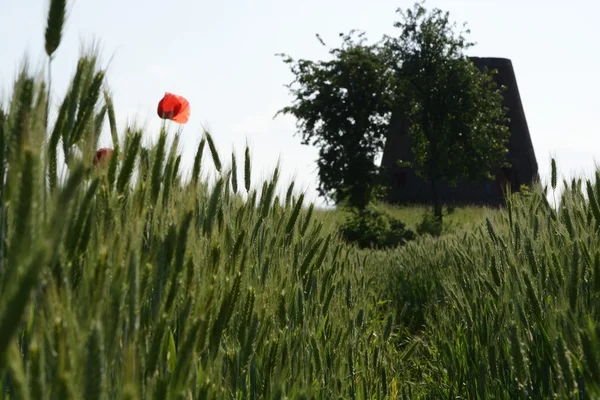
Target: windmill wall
{"x":407,"y":187}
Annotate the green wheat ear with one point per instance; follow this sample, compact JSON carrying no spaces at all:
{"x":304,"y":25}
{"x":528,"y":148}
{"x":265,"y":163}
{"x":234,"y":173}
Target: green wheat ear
{"x":157,"y":168}
{"x":112,"y":121}
{"x":213,"y":151}
{"x":553,"y":174}
{"x":95,"y":364}
{"x":247,"y":169}
{"x":54,"y":27}
{"x":234,"y":183}
{"x":198,"y":161}
{"x":17,"y":373}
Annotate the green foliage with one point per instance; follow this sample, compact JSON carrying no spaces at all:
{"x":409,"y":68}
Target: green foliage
{"x":509,"y":309}
{"x":343,"y":106}
{"x":458,"y":124}
{"x":54,"y":27}
{"x":116,"y":287}
{"x":373,"y":229}
{"x":430,"y":225}
{"x":109,"y":293}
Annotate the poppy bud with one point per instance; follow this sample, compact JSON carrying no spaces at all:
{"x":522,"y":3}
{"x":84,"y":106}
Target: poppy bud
{"x":103,"y":156}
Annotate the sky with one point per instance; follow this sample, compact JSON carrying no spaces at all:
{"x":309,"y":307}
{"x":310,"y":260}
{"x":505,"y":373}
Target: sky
{"x":222,"y":56}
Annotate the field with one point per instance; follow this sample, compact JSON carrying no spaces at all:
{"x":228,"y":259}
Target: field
{"x":134,"y":280}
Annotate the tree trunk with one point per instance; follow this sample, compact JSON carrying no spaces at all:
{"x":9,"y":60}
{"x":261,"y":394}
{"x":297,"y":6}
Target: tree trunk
{"x":437,"y":204}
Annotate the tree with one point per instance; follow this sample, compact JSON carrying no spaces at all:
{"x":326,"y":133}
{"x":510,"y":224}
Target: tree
{"x":458,"y":124}
{"x":343,"y":106}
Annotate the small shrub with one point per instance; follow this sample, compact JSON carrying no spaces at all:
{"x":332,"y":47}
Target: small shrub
{"x":368,"y":228}
{"x":430,"y":225}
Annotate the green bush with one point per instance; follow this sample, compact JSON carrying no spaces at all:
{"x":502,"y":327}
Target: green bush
{"x":368,"y":228}
{"x":430,"y":225}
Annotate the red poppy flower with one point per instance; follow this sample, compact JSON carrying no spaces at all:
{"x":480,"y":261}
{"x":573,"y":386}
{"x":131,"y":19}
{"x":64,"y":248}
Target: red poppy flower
{"x":103,"y":156}
{"x":174,"y":107}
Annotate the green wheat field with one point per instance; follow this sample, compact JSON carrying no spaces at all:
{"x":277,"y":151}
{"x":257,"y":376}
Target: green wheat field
{"x":137,"y":281}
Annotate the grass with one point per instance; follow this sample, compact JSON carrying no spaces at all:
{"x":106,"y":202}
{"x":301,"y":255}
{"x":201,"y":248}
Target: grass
{"x":135,"y":281}
{"x":455,"y":219}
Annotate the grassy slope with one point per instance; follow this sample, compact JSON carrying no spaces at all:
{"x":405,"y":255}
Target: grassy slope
{"x":458,"y":219}
{"x":163,"y":288}
{"x":160,"y":288}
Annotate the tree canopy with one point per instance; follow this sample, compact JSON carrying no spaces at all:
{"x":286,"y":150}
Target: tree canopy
{"x":458,"y":124}
{"x":343,"y":106}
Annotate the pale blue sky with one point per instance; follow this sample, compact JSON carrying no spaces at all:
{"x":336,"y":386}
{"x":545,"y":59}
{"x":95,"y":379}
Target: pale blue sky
{"x":221,"y":56}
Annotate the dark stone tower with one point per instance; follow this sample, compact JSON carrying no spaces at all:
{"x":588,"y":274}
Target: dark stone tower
{"x":407,"y":187}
